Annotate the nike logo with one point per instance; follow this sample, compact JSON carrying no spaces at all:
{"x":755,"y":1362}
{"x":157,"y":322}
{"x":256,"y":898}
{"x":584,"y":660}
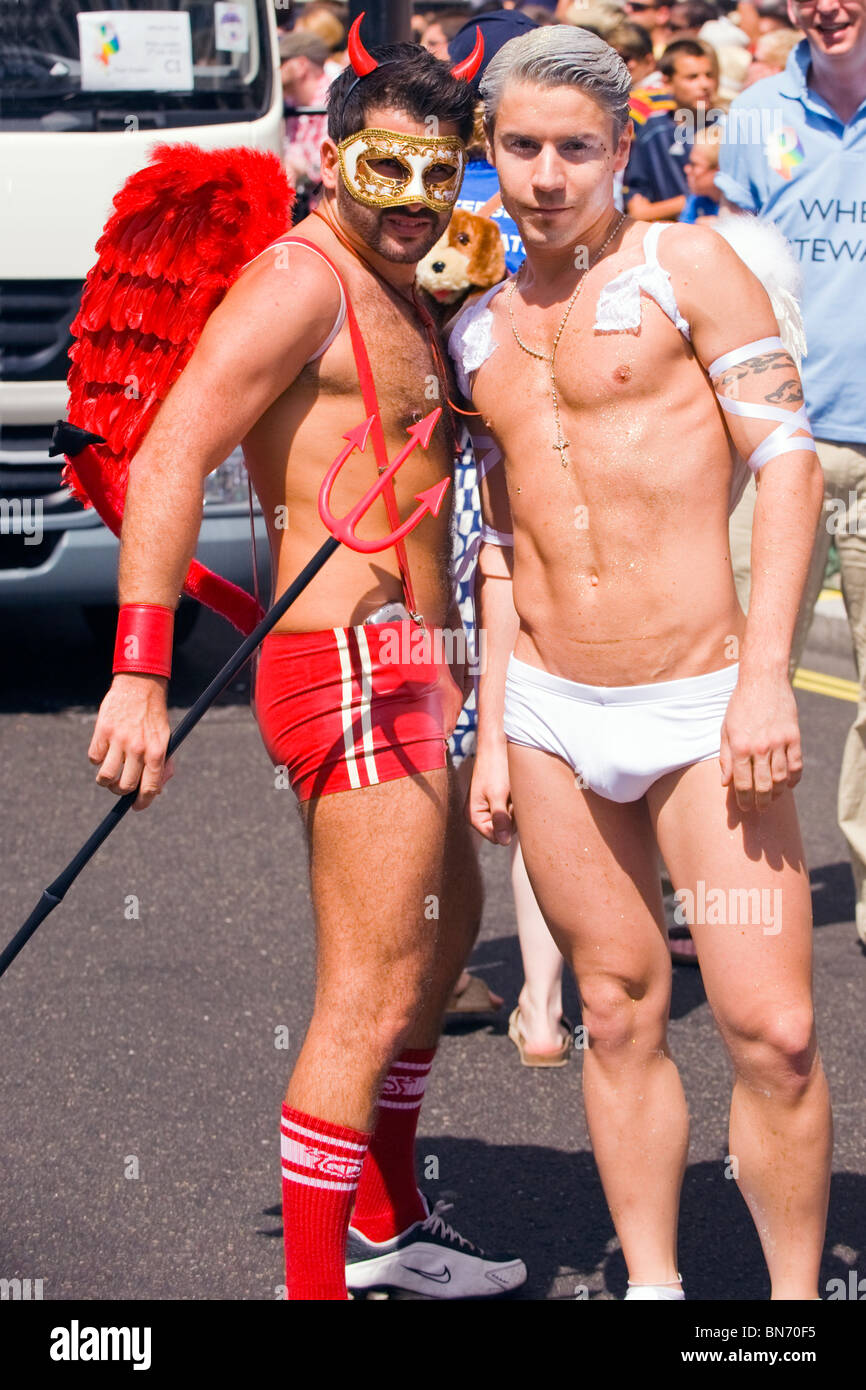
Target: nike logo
{"x":443,"y":1278}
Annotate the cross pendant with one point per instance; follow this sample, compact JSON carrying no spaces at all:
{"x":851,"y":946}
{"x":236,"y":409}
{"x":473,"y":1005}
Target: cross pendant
{"x":562,"y":445}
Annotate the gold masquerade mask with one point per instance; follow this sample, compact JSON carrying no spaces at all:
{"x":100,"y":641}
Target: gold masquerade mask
{"x":416,"y":155}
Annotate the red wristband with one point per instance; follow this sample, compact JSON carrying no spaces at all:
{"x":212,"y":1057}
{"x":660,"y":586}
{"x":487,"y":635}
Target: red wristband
{"x":143,"y":644}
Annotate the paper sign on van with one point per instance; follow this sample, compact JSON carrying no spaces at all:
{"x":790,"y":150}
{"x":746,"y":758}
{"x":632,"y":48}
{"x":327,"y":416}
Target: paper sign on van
{"x":135,"y":51}
{"x":230,"y":25}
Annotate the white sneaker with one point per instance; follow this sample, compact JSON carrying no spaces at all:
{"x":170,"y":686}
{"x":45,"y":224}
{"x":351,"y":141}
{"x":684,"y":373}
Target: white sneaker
{"x":432,"y":1259}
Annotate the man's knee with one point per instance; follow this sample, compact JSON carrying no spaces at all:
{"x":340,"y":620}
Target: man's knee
{"x":367,"y":1019}
{"x":618,"y":1013}
{"x":775,"y":1050}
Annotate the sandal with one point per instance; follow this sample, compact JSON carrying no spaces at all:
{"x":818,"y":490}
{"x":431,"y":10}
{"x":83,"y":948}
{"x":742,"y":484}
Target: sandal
{"x":682,"y":946}
{"x":473,"y":997}
{"x":539,"y":1059}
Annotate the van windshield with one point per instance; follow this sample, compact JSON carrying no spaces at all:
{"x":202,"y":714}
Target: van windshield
{"x":79,"y":64}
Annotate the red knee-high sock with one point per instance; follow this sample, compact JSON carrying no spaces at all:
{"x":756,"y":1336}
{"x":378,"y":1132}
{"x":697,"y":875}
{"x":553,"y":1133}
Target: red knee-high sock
{"x":322,"y":1163}
{"x":388,"y":1199}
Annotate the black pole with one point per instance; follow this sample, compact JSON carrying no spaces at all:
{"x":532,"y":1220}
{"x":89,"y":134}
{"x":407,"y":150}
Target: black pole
{"x":54,"y":893}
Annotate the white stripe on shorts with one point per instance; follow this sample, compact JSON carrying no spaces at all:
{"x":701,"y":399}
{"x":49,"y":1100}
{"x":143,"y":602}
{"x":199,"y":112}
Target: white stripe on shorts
{"x":346,"y":707}
{"x":366,"y":698}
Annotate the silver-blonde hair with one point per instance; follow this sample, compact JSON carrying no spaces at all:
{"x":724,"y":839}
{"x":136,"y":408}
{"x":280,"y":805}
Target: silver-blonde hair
{"x":560,"y":55}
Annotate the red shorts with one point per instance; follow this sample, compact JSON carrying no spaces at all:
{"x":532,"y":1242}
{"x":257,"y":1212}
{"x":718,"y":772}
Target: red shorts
{"x":351,"y":706}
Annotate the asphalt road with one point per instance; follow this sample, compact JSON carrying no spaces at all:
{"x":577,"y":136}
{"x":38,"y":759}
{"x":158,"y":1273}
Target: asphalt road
{"x":142,"y":1082}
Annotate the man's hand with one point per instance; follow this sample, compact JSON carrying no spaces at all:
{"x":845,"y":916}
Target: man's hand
{"x":667,"y":210}
{"x":131,"y":737}
{"x":760,"y":752}
{"x":489,"y":806}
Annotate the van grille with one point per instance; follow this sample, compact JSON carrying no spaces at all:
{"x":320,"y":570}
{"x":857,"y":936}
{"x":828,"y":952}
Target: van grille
{"x":34,"y":328}
{"x":26,"y":471}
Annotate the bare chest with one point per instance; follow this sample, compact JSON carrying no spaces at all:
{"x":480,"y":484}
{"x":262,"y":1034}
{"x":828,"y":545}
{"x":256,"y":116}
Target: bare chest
{"x":408,"y":380}
{"x":540,"y":364}
{"x":632,"y":411}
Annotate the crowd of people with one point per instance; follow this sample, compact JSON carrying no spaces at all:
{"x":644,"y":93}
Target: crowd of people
{"x":619,"y":677}
{"x":692,"y":57}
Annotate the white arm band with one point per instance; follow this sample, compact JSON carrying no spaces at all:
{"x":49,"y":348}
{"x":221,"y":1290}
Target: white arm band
{"x":779,"y":440}
{"x":491,"y":537}
{"x":487,"y":456}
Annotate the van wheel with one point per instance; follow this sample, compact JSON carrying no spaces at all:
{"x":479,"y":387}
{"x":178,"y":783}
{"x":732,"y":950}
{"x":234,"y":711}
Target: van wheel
{"x":101,"y":618}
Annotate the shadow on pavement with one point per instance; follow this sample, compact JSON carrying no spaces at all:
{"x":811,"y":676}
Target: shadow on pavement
{"x":549,"y":1208}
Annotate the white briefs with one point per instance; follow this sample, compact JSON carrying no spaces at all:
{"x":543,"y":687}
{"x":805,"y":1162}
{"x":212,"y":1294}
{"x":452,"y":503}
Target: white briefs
{"x":618,"y":739}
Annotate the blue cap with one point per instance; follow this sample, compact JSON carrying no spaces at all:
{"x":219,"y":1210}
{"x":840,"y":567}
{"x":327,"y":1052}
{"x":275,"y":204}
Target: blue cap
{"x":497,"y":27}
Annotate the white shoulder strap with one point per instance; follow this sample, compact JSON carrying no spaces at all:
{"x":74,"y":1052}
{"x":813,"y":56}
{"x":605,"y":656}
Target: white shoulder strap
{"x":651,"y":242}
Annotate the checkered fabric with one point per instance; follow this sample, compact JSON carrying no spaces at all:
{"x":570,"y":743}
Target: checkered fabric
{"x":465,"y":525}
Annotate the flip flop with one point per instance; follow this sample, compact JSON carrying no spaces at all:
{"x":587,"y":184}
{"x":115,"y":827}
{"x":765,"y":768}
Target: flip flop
{"x":474,"y":998}
{"x":539,"y":1059}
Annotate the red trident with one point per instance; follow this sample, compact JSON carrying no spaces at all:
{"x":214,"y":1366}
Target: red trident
{"x":343,"y":527}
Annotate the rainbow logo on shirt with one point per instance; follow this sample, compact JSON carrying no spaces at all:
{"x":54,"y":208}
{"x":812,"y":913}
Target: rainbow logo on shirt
{"x":110,"y":44}
{"x":784,"y":151}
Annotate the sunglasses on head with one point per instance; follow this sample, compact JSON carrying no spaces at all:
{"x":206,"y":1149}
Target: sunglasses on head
{"x":638,"y":6}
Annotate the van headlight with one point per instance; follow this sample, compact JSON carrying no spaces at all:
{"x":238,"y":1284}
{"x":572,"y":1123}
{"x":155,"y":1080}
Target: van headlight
{"x":228,"y":483}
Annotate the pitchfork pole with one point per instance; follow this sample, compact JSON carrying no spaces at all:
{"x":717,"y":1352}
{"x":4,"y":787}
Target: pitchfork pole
{"x":55,"y":892}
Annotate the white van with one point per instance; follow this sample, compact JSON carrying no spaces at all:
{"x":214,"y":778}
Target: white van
{"x":88,"y":87}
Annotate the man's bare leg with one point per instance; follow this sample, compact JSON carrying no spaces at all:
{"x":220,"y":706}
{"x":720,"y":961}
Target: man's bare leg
{"x":461,"y":899}
{"x":386,"y":966}
{"x":375,"y":856}
{"x":388,"y":1200}
{"x":592,"y":865}
{"x":758,"y":982}
{"x":368,"y":880}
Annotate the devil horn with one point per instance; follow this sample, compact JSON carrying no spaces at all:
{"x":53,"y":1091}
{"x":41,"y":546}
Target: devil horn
{"x":469,"y":66}
{"x":361,"y":60}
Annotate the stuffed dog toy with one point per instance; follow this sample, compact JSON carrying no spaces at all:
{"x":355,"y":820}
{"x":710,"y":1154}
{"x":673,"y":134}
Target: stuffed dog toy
{"x":469,"y":256}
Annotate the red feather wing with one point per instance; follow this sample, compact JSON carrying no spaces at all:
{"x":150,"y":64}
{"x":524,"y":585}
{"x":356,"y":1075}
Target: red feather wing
{"x":181,"y":231}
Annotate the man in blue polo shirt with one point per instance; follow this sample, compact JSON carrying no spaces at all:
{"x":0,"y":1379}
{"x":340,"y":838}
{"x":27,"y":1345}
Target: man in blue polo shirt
{"x":795,"y":154}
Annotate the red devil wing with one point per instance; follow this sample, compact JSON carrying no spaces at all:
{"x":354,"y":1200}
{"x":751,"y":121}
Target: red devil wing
{"x":182,"y":230}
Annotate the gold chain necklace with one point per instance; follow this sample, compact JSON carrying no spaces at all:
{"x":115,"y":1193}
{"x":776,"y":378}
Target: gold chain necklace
{"x":561,"y":443}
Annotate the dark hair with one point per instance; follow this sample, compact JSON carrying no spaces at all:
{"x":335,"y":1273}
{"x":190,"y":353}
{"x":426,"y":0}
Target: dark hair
{"x":685,"y":48}
{"x":408,"y":79}
{"x":698,"y":12}
{"x":631,"y":41}
{"x":450,"y":21}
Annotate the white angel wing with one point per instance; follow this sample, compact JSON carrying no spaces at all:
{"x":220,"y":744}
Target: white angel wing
{"x":768,"y":255}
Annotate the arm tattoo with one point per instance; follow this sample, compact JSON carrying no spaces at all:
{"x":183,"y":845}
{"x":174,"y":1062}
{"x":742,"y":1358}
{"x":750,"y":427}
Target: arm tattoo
{"x":787,"y":392}
{"x":782,"y":403}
